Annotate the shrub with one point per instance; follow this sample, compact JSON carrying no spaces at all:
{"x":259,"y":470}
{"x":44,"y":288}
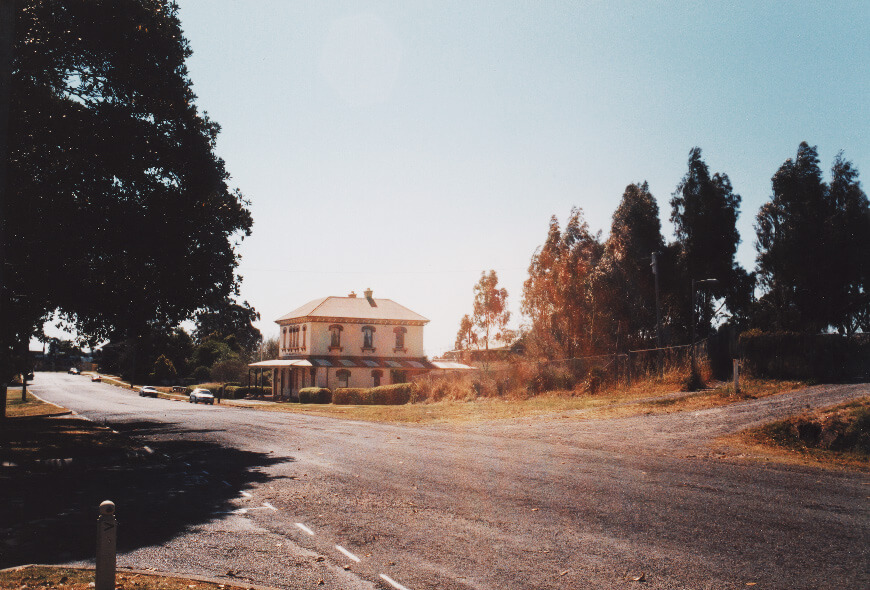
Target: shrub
{"x":595,"y":379}
{"x":252,"y":391}
{"x":551,"y":378}
{"x":348,"y":396}
{"x":386,"y":395}
{"x":792,"y":355}
{"x":315,"y":395}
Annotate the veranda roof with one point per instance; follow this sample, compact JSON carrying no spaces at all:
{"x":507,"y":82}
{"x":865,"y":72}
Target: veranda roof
{"x":278,"y":363}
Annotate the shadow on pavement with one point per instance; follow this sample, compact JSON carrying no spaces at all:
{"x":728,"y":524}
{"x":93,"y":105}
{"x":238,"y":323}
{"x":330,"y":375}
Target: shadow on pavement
{"x":48,"y":514}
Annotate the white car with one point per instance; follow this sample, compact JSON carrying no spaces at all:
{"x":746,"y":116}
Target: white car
{"x":73,"y":371}
{"x":201,"y":395}
{"x":96,"y":377}
{"x":148,"y":391}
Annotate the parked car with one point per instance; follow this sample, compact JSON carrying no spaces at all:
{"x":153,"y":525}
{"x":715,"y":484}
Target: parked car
{"x":201,"y":395}
{"x":148,"y":391}
{"x":73,"y":371}
{"x":96,"y":377}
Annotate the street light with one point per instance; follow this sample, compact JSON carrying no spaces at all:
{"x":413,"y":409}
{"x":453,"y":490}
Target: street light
{"x":697,"y":283}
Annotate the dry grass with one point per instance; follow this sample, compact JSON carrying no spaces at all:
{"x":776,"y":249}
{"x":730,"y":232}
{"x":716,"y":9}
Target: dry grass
{"x":655,"y":396}
{"x":836,"y":436}
{"x":43,"y":577}
{"x":30,"y":407}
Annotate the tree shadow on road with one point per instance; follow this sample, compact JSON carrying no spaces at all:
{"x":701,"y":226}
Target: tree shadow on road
{"x":48,"y":512}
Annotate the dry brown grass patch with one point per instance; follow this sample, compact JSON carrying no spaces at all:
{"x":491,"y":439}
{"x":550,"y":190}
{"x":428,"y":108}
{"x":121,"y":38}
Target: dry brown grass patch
{"x":45,"y":577}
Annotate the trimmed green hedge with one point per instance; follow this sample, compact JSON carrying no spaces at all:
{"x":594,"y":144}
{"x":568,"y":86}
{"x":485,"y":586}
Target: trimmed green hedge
{"x":315,"y":395}
{"x":384,"y":395}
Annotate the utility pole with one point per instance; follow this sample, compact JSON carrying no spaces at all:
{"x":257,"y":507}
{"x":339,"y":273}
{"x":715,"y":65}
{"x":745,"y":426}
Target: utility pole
{"x":655,"y":269}
{"x":7,"y":22}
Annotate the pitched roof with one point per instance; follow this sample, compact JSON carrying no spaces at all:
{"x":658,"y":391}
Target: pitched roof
{"x":355,"y":308}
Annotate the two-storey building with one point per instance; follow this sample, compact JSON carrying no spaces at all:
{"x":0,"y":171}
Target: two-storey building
{"x":347,"y":342}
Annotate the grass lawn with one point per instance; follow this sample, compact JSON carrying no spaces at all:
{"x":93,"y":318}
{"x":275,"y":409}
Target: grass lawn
{"x":653,"y":397}
{"x":44,"y":577}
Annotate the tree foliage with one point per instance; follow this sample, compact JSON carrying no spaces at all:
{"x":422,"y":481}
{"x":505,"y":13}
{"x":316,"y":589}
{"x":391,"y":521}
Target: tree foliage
{"x":557,"y":296}
{"x":813,"y":244}
{"x":490,"y":314}
{"x":624,"y":285}
{"x":229,"y":318}
{"x":121,"y":215}
{"x":704,"y":213}
{"x":466,"y":337}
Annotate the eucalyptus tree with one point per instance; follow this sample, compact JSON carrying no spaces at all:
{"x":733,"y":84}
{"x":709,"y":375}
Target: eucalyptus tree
{"x":813,"y":244}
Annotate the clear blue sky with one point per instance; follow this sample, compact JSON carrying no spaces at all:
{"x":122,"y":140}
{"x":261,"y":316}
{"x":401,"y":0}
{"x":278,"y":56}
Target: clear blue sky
{"x":407,"y":146}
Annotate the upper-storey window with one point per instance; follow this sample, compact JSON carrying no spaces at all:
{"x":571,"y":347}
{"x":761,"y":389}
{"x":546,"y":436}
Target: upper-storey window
{"x":284,"y":343}
{"x":400,"y":339}
{"x":368,"y":338}
{"x":335,"y":337}
{"x":304,"y":329}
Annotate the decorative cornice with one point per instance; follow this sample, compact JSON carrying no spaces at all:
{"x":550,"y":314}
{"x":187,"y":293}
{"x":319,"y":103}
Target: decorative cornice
{"x":331,"y":320}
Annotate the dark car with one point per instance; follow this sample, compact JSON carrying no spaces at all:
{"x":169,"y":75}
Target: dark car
{"x":147,"y":391}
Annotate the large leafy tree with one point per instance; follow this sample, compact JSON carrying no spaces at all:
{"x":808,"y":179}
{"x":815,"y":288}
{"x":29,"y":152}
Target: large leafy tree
{"x":624,"y":284}
{"x":704,"y":213}
{"x":120,"y":215}
{"x":813,"y":243}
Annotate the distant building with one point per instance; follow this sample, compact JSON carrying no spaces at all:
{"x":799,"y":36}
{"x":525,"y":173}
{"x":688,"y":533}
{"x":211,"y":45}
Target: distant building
{"x":347,"y":342}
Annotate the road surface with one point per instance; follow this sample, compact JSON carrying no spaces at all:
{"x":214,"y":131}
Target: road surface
{"x":291,"y":500}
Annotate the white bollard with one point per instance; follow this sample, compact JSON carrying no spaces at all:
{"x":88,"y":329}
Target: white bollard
{"x":736,"y":376}
{"x":107,"y":530}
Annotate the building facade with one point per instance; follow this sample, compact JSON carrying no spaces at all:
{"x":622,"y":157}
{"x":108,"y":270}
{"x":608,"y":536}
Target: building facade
{"x":347,"y":342}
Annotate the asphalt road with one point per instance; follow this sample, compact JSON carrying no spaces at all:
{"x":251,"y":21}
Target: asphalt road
{"x":290,"y":500}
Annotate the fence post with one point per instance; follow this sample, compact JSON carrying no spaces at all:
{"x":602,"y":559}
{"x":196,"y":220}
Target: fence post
{"x":107,"y":529}
{"x":736,"y":363}
{"x":628,"y":367}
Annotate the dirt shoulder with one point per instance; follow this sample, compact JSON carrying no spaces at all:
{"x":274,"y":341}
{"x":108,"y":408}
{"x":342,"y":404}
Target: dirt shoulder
{"x":836,"y":436}
{"x":40,"y":577}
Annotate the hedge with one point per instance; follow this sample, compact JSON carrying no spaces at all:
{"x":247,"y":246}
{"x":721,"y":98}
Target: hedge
{"x":315,"y":395}
{"x":387,"y":395}
{"x":819,"y":357}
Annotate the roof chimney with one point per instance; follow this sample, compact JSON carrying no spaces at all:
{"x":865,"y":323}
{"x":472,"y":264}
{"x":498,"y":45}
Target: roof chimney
{"x":368,"y":294}
{"x":352,"y":295}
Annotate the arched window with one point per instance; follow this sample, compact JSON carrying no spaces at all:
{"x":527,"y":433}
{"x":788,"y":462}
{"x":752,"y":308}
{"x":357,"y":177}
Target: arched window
{"x":400,"y":338}
{"x":376,"y":377}
{"x":335,"y":338}
{"x":343,"y":377}
{"x":368,"y":338}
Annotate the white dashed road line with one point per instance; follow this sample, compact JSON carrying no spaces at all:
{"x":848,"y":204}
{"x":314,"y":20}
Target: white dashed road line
{"x":246,"y":495}
{"x":305,"y":528}
{"x":269,"y":506}
{"x":347,"y":553}
{"x":394,"y":583}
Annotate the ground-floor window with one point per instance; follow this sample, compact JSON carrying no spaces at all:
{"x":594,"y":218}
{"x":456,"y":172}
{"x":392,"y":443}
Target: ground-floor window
{"x":397,"y":376}
{"x":376,"y":377}
{"x":343,"y":377}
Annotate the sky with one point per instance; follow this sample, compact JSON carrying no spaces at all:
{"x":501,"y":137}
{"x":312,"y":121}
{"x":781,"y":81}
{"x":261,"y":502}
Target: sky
{"x":408,"y":146}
